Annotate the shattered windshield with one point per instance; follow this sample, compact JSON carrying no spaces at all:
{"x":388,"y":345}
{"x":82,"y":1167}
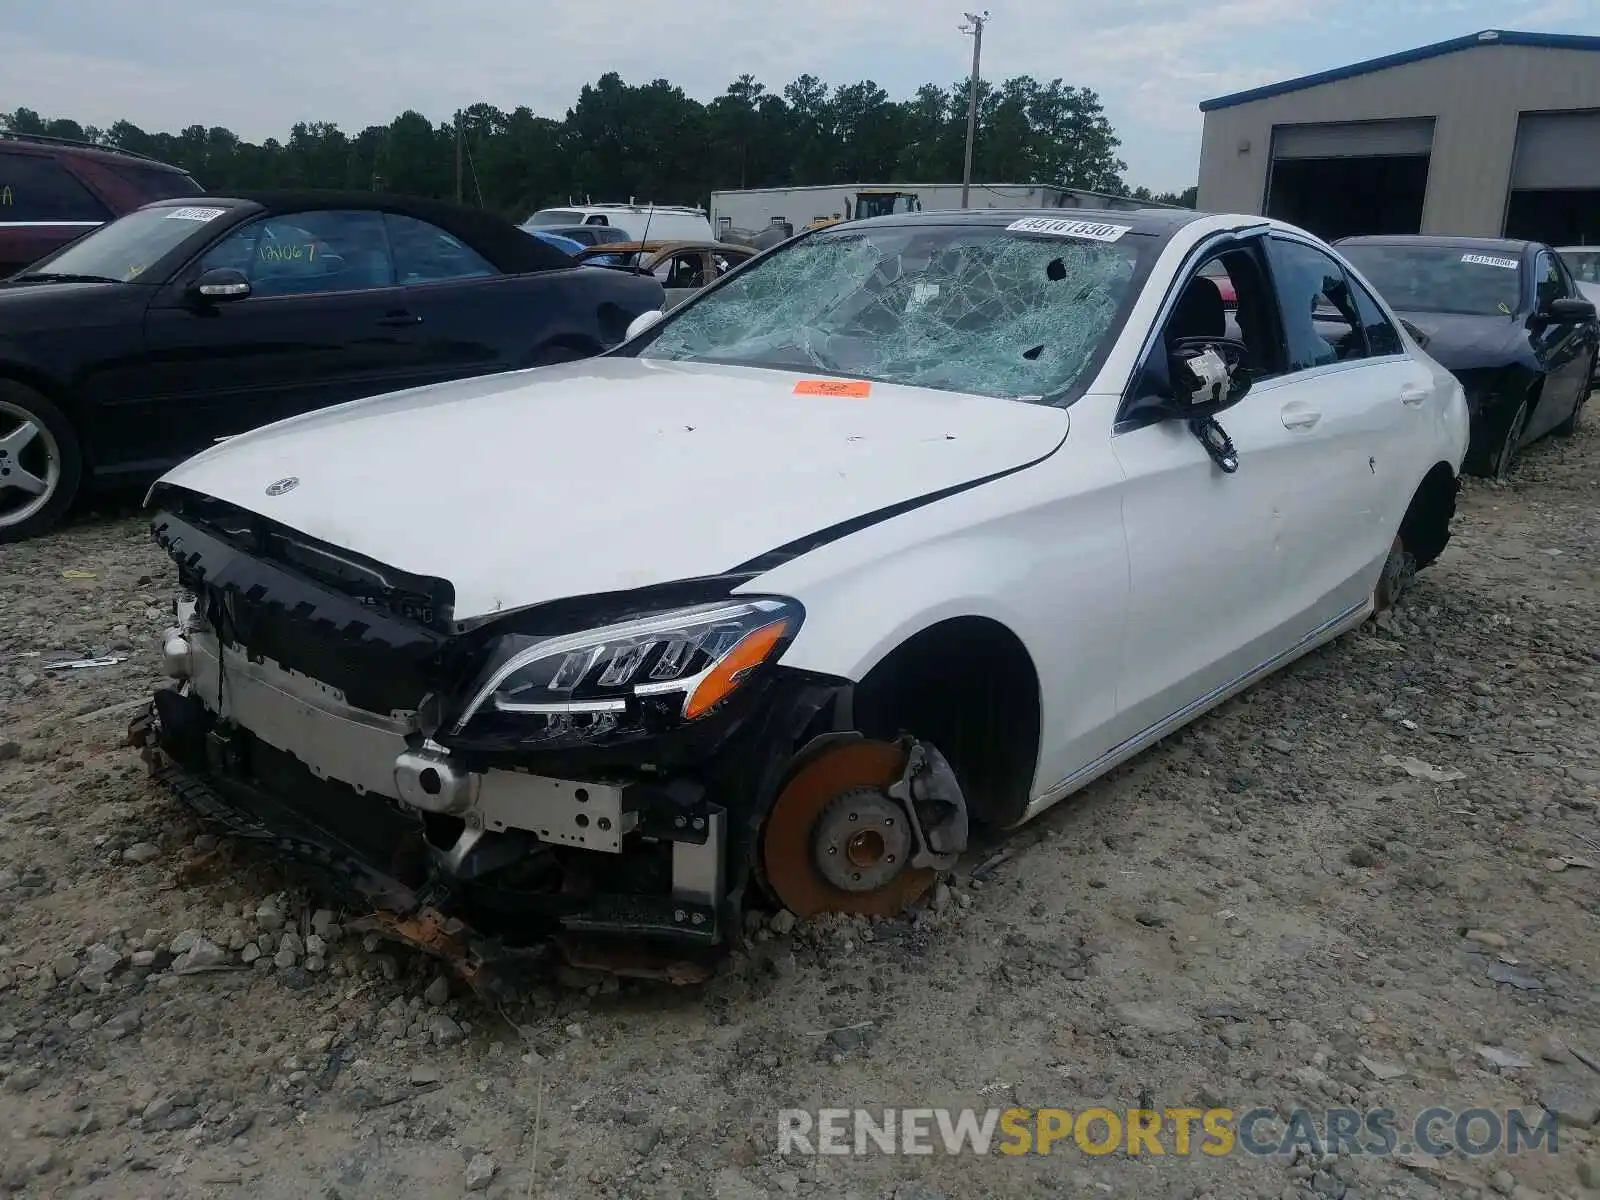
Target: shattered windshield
{"x":977,"y":309}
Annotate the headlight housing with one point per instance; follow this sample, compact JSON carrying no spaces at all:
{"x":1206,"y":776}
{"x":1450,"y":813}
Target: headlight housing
{"x":665,"y":669}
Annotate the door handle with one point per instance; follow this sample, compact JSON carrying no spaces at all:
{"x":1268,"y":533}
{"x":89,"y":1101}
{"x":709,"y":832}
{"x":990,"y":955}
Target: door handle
{"x":399,"y":320}
{"x":1298,"y":416}
{"x":1412,"y":395}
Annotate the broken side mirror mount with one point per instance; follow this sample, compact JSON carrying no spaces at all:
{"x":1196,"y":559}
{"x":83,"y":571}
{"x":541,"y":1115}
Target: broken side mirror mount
{"x":1203,"y":377}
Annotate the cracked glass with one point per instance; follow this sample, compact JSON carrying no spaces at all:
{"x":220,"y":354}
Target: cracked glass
{"x":974,"y":309}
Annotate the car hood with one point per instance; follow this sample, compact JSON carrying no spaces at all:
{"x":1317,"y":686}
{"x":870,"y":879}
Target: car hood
{"x":1465,"y":343}
{"x":608,"y":474}
{"x":28,"y":306}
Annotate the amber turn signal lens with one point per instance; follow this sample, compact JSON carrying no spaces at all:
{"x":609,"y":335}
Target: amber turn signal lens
{"x":748,"y":652}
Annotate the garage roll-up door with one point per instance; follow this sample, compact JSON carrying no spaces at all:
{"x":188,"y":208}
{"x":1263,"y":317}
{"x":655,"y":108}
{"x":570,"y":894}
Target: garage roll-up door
{"x":1353,"y":139}
{"x":1557,"y":150}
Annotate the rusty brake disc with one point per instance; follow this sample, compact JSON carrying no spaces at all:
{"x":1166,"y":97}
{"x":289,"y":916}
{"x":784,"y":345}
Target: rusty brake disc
{"x":786,"y":843}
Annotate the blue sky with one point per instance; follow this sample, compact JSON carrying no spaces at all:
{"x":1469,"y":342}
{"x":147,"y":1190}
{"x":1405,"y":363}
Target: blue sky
{"x":259,"y":67}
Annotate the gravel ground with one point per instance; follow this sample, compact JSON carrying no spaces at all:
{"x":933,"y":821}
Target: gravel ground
{"x":1267,"y":909}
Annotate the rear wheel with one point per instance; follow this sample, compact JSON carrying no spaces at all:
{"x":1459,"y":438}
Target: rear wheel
{"x":1399,"y":569}
{"x":41,"y":463}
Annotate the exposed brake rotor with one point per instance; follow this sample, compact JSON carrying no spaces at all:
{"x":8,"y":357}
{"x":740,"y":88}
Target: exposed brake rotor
{"x":833,"y":830}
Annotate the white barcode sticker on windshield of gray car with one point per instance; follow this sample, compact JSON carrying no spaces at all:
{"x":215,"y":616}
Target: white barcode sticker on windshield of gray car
{"x":195,"y":214}
{"x":1096,"y":231}
{"x":1489,"y":260}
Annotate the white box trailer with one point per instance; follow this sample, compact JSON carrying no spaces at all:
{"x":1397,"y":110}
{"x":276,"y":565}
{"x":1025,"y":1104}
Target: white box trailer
{"x":754,"y":209}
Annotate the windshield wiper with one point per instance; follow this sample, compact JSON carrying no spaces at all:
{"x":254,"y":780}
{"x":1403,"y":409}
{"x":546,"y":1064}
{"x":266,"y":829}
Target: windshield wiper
{"x":60,"y":277}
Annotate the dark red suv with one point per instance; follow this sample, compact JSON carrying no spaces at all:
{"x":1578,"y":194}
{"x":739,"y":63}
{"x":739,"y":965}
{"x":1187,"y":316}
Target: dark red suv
{"x":53,"y":191}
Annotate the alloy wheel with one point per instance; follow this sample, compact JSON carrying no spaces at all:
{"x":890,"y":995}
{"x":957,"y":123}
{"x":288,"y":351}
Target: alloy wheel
{"x":30,"y":464}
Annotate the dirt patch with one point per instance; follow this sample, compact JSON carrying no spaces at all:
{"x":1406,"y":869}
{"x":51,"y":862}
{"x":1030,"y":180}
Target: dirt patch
{"x":1372,"y":881}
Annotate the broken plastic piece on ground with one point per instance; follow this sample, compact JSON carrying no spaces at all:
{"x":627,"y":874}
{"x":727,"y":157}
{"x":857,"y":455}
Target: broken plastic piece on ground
{"x":79,"y":664}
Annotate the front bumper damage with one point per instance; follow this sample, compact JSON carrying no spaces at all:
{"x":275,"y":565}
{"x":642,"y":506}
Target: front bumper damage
{"x":636,"y":863}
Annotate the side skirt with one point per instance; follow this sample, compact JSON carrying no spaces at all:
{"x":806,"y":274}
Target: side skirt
{"x":1142,"y":740}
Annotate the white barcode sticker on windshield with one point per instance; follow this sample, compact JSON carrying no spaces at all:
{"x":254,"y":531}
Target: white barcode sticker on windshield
{"x":1489,"y":260}
{"x":1095,"y":231}
{"x":195,"y":214}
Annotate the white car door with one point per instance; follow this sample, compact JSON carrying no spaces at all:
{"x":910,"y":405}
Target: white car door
{"x":1206,"y":548}
{"x":1349,"y":396}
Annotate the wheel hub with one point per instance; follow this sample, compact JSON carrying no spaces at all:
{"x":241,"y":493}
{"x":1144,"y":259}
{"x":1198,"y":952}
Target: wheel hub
{"x":30,"y":464}
{"x":861,"y":841}
{"x":835,"y":842}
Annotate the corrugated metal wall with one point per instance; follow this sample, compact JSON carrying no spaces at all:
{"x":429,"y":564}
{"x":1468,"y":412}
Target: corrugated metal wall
{"x":1474,"y":96}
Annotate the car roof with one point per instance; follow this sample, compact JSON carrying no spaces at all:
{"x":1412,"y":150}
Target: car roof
{"x":1155,"y":222}
{"x":1577,"y":249}
{"x":72,"y":148}
{"x":1504,"y":245}
{"x":507,"y":248}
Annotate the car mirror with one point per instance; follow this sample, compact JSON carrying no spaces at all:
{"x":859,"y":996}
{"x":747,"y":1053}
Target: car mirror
{"x":219,"y":284}
{"x":1568,"y":310}
{"x":1208,"y":376}
{"x":641,"y":323}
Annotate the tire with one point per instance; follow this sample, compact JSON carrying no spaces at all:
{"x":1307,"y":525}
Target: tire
{"x":1399,"y":569}
{"x":1505,"y":455}
{"x":1570,"y":426}
{"x":49,"y":455}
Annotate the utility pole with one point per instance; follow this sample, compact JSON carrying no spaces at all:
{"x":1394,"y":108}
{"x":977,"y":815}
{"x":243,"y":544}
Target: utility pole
{"x":458,"y":156}
{"x":974,"y":26}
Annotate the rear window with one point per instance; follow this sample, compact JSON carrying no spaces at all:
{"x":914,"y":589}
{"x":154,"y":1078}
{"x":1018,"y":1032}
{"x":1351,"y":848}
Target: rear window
{"x":1461,"y":280}
{"x":555,"y":216}
{"x":154,"y":183}
{"x":1585,"y":264}
{"x":36,"y":188}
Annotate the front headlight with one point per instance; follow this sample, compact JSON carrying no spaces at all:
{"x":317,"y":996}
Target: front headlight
{"x":678,"y":665}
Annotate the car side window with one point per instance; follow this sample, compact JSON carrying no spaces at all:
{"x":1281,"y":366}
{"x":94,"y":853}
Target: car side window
{"x":1547,"y":278}
{"x":1382,"y":337}
{"x":34,"y":188}
{"x":1320,"y":322}
{"x":308,"y":252}
{"x":681,"y":271}
{"x":424,"y":253}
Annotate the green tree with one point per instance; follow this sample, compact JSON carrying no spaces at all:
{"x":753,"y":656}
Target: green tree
{"x":650,"y":141}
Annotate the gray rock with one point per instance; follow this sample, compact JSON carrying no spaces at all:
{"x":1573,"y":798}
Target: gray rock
{"x":142,"y":959}
{"x":1521,"y":980}
{"x":250,"y":953}
{"x":316,"y":946}
{"x":438,"y":992}
{"x":204,"y":955}
{"x":177,"y":1118}
{"x":783,"y":922}
{"x":283,"y":959}
{"x":321,"y":921}
{"x":647,"y":1139}
{"x":269,"y":915}
{"x":423,"y":1075}
{"x":291,"y":942}
{"x":1571,"y":1103}
{"x":10,"y":750}
{"x":22,"y":1081}
{"x":480,"y":1171}
{"x":443,"y":1030}
{"x":141,"y":852}
{"x":122,"y":1024}
{"x":1155,"y":1018}
{"x":184,"y":942}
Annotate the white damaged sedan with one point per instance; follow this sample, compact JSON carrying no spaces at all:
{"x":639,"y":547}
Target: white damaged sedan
{"x":907,"y":525}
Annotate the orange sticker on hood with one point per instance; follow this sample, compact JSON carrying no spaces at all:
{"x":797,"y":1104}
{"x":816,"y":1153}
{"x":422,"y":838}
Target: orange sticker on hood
{"x":855,"y":388}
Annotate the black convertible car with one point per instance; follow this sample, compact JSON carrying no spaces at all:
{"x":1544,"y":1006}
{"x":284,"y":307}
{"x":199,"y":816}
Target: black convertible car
{"x":1506,"y":317}
{"x":191,"y":320}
